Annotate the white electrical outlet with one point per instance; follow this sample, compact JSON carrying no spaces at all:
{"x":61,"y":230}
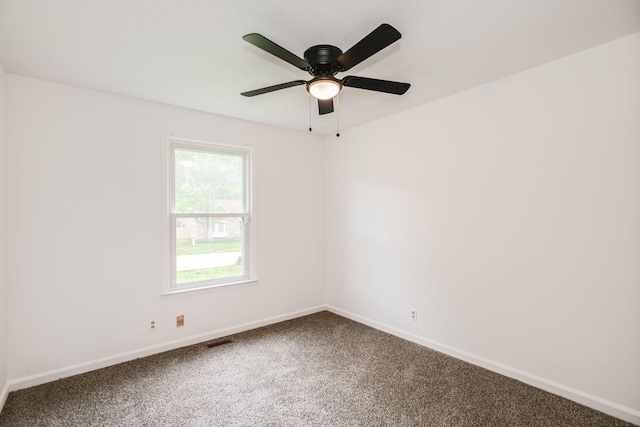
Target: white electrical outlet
{"x":414,"y":314}
{"x":152,"y":325}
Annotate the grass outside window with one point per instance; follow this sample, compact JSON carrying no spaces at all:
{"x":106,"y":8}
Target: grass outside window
{"x":202,"y":246}
{"x":188,"y":247}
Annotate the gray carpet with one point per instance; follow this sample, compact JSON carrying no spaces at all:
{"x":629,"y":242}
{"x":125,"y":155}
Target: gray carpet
{"x":318,"y":370}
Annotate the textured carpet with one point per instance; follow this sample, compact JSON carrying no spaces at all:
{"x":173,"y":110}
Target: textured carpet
{"x":318,"y":370}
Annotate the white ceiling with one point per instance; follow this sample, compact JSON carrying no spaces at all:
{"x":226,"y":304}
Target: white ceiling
{"x":190,"y":53}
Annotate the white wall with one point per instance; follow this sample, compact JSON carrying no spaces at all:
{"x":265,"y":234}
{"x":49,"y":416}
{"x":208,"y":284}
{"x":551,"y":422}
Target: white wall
{"x":509,"y":217}
{"x":3,"y":238}
{"x":84,"y":227}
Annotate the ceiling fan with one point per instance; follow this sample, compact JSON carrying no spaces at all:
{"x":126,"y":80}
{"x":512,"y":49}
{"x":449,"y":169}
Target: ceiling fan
{"x":324,"y":61}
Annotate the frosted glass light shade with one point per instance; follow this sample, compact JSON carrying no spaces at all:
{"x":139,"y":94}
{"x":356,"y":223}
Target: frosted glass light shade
{"x":324,"y":89}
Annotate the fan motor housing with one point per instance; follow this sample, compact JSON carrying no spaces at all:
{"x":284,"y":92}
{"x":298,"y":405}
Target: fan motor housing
{"x":322,"y":59}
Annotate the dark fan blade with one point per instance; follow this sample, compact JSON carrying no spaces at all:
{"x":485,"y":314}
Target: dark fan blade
{"x":274,"y":49}
{"x":377,"y":40}
{"x":325,"y":106}
{"x":387,"y":86}
{"x":272,"y":88}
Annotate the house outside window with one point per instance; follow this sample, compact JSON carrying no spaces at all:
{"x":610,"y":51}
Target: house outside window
{"x":209,"y":215}
{"x":220,"y":229}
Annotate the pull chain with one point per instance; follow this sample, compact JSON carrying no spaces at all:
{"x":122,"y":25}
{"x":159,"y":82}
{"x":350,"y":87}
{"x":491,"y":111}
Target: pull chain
{"x":338,"y":115}
{"x":309,"y":112}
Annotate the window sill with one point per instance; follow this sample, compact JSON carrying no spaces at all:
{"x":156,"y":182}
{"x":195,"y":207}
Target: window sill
{"x":210,"y":288}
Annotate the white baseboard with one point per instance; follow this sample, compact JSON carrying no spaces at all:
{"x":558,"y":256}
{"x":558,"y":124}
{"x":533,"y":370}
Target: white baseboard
{"x":586,"y":399}
{"x":3,"y":395}
{"x":81,"y":368}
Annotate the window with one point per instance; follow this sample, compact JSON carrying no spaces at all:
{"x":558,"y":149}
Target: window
{"x":209,"y":215}
{"x":220,"y":227}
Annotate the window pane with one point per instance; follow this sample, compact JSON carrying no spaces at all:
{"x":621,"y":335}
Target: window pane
{"x":208,"y":182}
{"x":208,"y":248}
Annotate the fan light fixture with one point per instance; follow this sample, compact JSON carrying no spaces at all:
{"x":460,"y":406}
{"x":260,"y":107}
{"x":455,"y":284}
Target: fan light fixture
{"x":325,"y":88}
{"x":324,"y":61}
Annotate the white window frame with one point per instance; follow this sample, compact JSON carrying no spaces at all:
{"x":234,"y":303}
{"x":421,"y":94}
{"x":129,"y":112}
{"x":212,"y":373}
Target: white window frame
{"x":169,"y":287}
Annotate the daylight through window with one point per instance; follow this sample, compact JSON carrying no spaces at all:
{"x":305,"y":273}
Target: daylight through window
{"x":210,"y":214}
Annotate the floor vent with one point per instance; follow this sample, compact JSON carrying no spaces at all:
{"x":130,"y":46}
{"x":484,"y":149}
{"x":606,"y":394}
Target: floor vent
{"x":217,"y":343}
